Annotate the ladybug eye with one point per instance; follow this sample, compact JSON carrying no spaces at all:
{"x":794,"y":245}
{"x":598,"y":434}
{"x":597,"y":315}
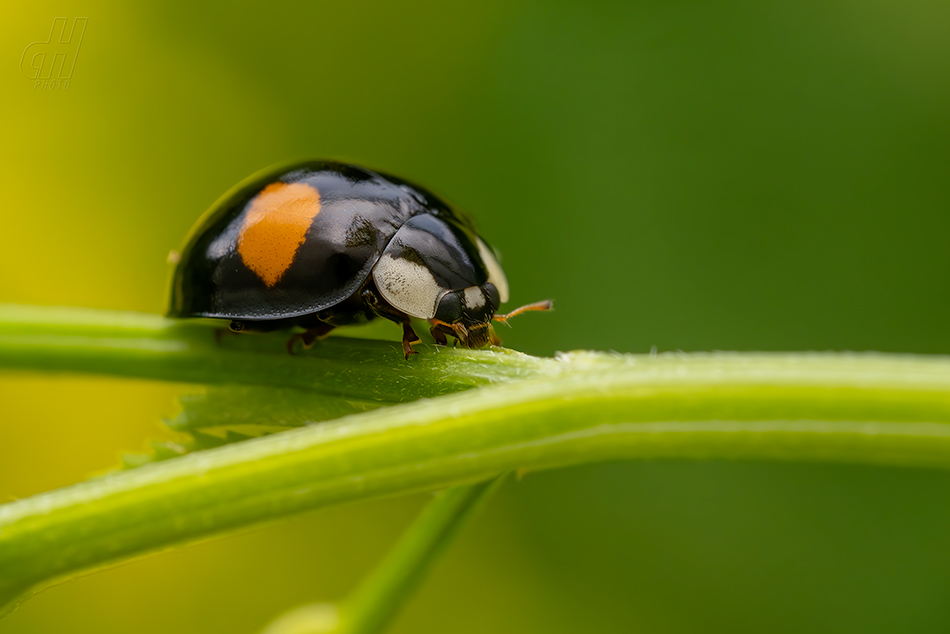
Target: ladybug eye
{"x":492,"y":293}
{"x":495,"y":273}
{"x":450,"y":308}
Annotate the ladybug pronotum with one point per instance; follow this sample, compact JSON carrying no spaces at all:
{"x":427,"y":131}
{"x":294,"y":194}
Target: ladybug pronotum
{"x":321,"y":244}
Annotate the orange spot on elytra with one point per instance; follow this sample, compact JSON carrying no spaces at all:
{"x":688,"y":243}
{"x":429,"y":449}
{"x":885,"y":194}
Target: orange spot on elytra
{"x":275,"y":226}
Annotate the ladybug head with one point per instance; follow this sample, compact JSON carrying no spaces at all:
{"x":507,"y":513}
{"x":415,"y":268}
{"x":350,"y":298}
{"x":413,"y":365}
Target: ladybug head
{"x":467,"y":315}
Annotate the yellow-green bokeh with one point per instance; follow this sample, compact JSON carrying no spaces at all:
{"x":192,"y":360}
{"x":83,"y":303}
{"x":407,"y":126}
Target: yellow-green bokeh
{"x":695,"y":176}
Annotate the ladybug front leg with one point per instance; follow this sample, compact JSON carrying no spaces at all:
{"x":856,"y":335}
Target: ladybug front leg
{"x":409,"y":337}
{"x":438,"y":335}
{"x":386,"y":311}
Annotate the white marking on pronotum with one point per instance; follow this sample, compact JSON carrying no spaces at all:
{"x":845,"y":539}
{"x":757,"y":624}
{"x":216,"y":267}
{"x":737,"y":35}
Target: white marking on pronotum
{"x":474,"y":297}
{"x":495,"y":274}
{"x":407,"y":286}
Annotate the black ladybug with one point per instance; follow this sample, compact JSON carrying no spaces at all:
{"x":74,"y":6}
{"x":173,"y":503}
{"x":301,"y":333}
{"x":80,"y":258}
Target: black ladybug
{"x":323,"y":244}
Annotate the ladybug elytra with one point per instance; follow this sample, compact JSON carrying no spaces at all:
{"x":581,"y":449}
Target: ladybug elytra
{"x":322,"y":244}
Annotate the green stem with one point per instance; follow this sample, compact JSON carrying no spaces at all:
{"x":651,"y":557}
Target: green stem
{"x":377,"y":600}
{"x":380,"y":596}
{"x":579,"y":408}
{"x":152,"y":347}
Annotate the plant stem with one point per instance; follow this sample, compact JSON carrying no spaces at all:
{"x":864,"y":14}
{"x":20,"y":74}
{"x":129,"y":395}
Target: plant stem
{"x":579,"y":408}
{"x":152,"y":347}
{"x":378,"y":598}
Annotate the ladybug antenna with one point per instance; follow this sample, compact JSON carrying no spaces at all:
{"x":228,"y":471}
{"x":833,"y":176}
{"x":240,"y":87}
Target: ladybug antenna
{"x":544,"y":305}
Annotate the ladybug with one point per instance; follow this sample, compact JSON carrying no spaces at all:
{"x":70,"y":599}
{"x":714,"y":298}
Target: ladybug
{"x":321,"y":244}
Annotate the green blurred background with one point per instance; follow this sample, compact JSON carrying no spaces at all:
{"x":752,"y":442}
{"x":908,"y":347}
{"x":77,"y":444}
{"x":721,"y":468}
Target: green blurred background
{"x":690,"y":175}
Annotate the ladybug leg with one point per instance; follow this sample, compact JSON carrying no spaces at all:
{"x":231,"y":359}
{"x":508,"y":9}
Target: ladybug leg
{"x":309,"y":337}
{"x":233,"y":328}
{"x":409,"y":337}
{"x":438,"y":335}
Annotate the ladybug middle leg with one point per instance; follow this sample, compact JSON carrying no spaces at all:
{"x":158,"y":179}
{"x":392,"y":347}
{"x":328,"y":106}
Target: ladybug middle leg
{"x":309,"y":337}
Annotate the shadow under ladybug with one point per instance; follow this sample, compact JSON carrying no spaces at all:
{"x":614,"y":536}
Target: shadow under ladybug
{"x":322,"y":244}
